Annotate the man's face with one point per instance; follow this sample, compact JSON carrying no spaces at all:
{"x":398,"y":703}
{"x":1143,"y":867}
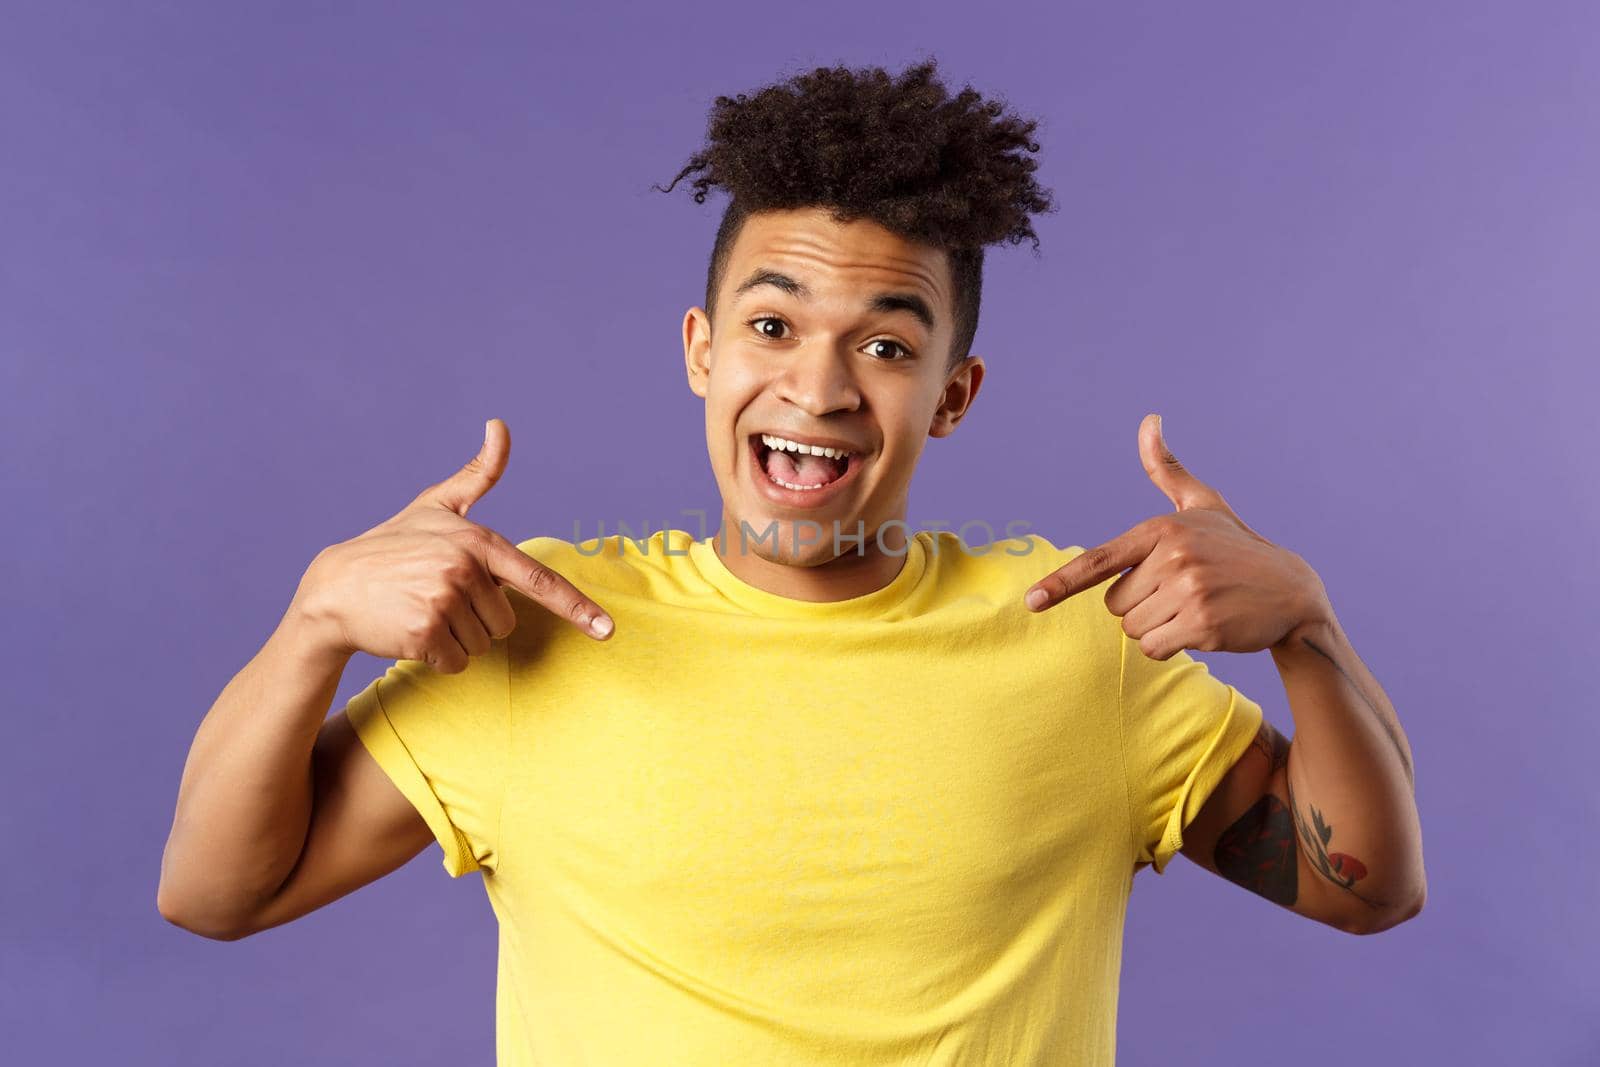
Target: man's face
{"x":821,"y":339}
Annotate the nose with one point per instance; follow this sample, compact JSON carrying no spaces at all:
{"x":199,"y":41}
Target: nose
{"x":818,"y":381}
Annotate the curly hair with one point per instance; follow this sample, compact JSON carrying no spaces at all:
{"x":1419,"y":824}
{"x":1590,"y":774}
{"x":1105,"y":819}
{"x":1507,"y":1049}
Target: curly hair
{"x":944,"y":170}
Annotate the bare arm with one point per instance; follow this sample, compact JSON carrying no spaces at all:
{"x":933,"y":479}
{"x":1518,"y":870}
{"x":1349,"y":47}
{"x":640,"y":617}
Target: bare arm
{"x":280,"y":810}
{"x":1326,"y":826}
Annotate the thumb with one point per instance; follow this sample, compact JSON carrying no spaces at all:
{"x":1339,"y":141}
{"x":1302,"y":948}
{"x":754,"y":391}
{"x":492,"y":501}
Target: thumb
{"x":1167,"y":472}
{"x":466,"y":486}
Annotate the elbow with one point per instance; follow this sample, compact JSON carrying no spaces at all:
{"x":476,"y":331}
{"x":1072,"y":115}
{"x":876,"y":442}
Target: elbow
{"x":208,"y":922}
{"x":1378,"y":920}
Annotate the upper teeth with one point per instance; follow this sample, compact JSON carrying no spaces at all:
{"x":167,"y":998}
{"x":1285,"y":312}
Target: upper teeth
{"x":795,"y":446}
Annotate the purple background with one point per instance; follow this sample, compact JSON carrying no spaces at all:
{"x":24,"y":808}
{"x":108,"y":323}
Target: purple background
{"x":264,"y":273}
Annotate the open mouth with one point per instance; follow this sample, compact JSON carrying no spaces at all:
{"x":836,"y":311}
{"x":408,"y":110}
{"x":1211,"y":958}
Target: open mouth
{"x":801,"y":467}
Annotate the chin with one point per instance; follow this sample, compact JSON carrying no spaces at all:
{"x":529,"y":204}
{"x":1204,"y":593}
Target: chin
{"x":817,"y":550}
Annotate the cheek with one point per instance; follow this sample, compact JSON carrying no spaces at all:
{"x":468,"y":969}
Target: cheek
{"x":732,"y":386}
{"x":904,"y":427}
{"x":729,"y":392}
{"x":737,"y":372}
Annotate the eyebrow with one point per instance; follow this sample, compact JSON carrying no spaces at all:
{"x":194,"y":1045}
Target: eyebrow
{"x":911,"y":302}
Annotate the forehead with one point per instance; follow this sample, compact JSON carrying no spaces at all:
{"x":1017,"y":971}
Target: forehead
{"x":843,"y":256}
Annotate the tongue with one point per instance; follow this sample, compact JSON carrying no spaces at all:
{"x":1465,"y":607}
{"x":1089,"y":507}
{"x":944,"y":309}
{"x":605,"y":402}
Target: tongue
{"x":802,"y":470}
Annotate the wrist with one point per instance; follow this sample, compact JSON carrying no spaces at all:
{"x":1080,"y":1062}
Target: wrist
{"x":312,"y":637}
{"x":1320,"y":628}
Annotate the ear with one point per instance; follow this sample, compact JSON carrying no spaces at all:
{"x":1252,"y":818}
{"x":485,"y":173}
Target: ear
{"x":697,"y":350}
{"x":960,"y":389}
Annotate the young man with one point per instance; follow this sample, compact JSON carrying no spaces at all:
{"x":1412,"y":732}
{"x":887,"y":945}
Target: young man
{"x":814,"y":789}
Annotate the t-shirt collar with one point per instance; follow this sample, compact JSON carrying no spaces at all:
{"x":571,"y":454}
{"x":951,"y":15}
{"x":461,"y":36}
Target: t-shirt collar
{"x":703,"y":554}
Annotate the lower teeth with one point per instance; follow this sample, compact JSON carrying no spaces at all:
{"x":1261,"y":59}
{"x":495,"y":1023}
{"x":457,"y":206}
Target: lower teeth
{"x":791,"y":485}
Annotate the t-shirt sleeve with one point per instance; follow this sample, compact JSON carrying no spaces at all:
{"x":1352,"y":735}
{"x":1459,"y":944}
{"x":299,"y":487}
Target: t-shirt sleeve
{"x":1182,"y":728}
{"x":442,"y":739}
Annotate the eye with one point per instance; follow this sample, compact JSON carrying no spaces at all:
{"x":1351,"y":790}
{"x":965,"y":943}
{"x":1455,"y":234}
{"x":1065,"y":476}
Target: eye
{"x":776,"y":327}
{"x":781,"y":325}
{"x":896,"y":345}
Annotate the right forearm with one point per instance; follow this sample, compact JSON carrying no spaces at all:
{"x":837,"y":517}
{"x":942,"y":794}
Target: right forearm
{"x":244,"y":803}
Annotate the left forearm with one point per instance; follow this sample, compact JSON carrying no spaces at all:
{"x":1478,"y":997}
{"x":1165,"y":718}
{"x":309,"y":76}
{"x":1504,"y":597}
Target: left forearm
{"x":1350,"y":776}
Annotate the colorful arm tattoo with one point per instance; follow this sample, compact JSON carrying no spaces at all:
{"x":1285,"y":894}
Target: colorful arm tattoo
{"x":1260,"y":851}
{"x":1339,"y":868}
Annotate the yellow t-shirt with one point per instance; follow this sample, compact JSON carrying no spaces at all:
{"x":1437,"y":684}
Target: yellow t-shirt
{"x":895,"y":829}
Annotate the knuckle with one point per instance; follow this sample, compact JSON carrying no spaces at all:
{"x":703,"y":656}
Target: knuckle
{"x":447,"y":656}
{"x":541,"y":580}
{"x":473,"y":538}
{"x":460,"y":568}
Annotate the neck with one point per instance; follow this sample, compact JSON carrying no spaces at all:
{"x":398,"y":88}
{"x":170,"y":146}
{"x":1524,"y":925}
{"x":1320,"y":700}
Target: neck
{"x":800,"y":576}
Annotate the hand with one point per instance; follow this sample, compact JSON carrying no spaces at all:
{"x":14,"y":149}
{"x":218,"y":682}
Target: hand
{"x":426,"y":584}
{"x":1201,"y":578}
